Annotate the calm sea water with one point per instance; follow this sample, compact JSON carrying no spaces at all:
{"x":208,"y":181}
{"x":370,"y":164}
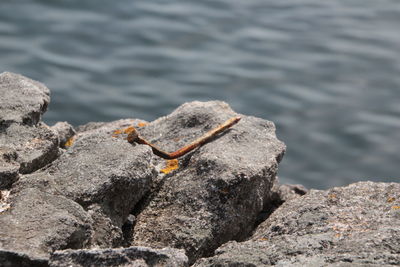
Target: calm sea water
{"x":326,"y":72}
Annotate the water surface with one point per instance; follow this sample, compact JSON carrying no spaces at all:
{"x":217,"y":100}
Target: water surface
{"x":326,"y":72}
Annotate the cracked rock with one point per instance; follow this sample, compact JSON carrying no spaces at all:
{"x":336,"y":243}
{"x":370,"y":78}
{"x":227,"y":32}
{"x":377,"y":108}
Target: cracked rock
{"x":26,"y":144}
{"x":218,"y":190}
{"x":356,"y":225}
{"x":105,"y":175}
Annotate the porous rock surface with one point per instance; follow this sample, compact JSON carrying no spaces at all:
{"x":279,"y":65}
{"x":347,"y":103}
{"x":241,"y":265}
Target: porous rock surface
{"x":22,"y":100}
{"x":38,"y":223}
{"x":219,"y":190}
{"x":34,"y":146}
{"x":356,"y":225}
{"x":80,"y":199}
{"x":26,"y":144}
{"x":132,"y":257}
{"x":105,"y":175}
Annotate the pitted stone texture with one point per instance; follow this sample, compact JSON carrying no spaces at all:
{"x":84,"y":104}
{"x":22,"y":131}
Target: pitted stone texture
{"x":106,"y":175}
{"x":132,"y":257}
{"x":35,"y":146}
{"x":358,"y":224}
{"x":65,"y":131}
{"x":38,"y":223}
{"x":22,"y":100}
{"x":219,"y":189}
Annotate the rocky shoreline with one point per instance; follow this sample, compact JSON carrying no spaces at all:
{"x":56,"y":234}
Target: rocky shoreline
{"x":87,"y":197}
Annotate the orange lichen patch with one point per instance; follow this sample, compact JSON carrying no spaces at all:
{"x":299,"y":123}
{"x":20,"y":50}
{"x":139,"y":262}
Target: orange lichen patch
{"x":70,"y":141}
{"x":141,"y":124}
{"x":391,"y":199}
{"x":172,"y":164}
{"x":396,"y":207}
{"x":129,"y":130}
{"x":263,"y":239}
{"x":117,"y":132}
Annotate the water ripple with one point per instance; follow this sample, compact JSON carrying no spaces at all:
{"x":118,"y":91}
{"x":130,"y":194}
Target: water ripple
{"x":327,"y":72}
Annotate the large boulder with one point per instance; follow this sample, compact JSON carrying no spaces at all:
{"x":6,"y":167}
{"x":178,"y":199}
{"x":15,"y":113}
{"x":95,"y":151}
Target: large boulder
{"x":218,"y":190}
{"x":357,"y":225}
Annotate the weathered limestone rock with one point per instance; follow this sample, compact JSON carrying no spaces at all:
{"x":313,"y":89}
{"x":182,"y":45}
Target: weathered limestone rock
{"x":219,"y":189}
{"x":132,"y":256}
{"x":38,"y":223}
{"x":22,"y":100}
{"x":358,"y":224}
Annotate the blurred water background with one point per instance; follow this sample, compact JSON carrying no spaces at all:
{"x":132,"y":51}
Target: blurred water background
{"x":326,"y":72}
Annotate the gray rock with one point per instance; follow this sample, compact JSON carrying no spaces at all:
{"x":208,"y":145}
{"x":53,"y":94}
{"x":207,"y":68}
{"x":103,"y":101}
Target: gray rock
{"x":26,"y":144}
{"x":219,"y":189}
{"x":358,"y":224}
{"x":106,"y":233}
{"x":22,"y":100}
{"x":65,"y":131}
{"x":104,"y":174}
{"x":32,"y":147}
{"x":38,"y":223}
{"x":132,"y":256}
